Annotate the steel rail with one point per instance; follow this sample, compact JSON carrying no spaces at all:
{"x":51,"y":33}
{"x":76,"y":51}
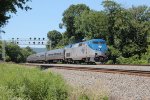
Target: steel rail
{"x":104,"y":70}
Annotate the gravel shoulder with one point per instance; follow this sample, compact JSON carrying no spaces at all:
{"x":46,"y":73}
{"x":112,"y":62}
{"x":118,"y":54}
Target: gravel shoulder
{"x":116,"y":86}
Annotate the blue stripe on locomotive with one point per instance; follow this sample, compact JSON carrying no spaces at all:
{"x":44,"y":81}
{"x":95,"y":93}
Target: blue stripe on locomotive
{"x":97,"y":44}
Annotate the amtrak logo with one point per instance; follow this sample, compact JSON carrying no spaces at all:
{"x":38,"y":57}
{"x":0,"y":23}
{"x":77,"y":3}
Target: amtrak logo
{"x":100,"y":46}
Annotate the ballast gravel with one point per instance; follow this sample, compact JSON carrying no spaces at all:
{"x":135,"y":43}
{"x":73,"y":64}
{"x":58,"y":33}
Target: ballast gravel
{"x":116,"y":86}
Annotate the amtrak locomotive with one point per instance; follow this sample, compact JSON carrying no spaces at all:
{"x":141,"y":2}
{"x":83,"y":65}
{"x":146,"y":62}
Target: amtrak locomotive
{"x":91,"y":51}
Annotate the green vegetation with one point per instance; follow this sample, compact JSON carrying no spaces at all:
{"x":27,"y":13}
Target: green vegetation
{"x":16,"y":54}
{"x":20,"y":83}
{"x":55,"y":37}
{"x":86,"y":93}
{"x":126,"y":30}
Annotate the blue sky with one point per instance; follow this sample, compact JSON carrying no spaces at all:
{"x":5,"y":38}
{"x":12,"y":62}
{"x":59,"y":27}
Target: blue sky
{"x":47,"y":14}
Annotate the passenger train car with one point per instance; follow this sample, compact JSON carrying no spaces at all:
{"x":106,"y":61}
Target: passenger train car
{"x":89,"y":51}
{"x":57,"y":55}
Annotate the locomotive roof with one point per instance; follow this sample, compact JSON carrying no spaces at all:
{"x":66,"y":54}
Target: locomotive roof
{"x":56,"y":50}
{"x":74,"y":45}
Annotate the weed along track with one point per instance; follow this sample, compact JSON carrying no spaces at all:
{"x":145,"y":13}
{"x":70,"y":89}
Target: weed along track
{"x":129,"y":70}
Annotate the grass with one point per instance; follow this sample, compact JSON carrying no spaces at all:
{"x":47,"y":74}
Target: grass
{"x":81,"y":93}
{"x":18,"y":82}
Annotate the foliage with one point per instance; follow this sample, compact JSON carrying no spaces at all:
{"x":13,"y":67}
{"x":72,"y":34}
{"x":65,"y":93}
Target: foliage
{"x":55,"y":37}
{"x":128,"y":30}
{"x":111,"y":8}
{"x":64,"y":41}
{"x":87,"y":97}
{"x":91,"y":24}
{"x":16,"y":54}
{"x":83,"y":97}
{"x":25,"y":52}
{"x":20,"y":83}
{"x":112,"y":54}
{"x":131,"y":60}
{"x":30,"y":50}
{"x":11,"y":6}
{"x":69,"y":20}
{"x":86,"y":93}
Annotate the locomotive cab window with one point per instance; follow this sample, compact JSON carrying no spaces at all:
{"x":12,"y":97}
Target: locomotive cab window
{"x":98,"y":42}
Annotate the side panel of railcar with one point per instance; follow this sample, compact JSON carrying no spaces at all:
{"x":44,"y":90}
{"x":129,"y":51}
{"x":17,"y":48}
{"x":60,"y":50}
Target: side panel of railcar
{"x":40,"y":57}
{"x":57,"y":54}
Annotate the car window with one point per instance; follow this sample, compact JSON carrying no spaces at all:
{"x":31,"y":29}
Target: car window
{"x":98,"y":42}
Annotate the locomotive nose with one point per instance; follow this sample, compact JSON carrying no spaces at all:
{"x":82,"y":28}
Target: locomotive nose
{"x":103,"y":48}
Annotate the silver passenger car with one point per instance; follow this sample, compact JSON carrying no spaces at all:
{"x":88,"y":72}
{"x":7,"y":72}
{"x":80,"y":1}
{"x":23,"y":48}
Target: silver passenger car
{"x":32,"y":58}
{"x":40,"y":57}
{"x":55,"y":55}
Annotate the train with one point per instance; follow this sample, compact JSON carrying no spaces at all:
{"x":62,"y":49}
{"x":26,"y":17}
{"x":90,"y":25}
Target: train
{"x":91,"y":51}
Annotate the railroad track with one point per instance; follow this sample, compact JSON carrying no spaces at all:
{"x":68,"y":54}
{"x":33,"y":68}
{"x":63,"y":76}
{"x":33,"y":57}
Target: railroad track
{"x":145,"y":73}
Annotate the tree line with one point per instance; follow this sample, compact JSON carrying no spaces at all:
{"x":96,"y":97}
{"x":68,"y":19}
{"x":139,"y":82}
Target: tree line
{"x":14,"y":53}
{"x":126,"y":30}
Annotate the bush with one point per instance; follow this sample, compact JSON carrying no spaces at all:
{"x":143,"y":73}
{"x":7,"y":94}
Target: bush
{"x":20,"y":83}
{"x":86,"y":93}
{"x":109,"y":62}
{"x":131,"y":60}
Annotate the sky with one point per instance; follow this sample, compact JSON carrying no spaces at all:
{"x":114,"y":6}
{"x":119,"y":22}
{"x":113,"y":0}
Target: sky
{"x":47,"y":14}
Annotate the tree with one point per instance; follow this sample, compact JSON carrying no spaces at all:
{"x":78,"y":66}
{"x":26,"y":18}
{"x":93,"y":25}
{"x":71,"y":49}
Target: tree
{"x":92,"y":24}
{"x":10,"y":6}
{"x":111,"y":9}
{"x":30,"y":50}
{"x":140,"y":13}
{"x":140,"y":26}
{"x":64,"y":41}
{"x":13,"y":51}
{"x":16,"y":54}
{"x":25,"y":52}
{"x":69,"y":19}
{"x":54,"y":36}
{"x":128,"y":30}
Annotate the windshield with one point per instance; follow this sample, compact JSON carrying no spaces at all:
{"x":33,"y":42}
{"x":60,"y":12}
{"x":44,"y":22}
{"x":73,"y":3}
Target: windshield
{"x":98,"y":42}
